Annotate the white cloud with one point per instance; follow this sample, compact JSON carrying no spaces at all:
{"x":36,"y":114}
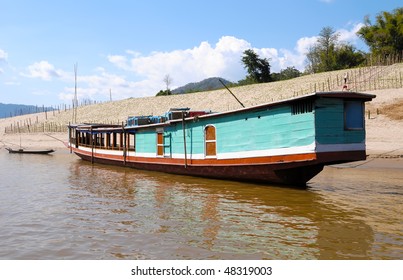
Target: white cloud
{"x":43,"y":70}
{"x":304,"y":44}
{"x":99,"y":86}
{"x":3,"y":56}
{"x":119,"y":60}
{"x":350,"y":36}
{"x":143,"y":74}
{"x":296,"y":57}
{"x":189,"y":65}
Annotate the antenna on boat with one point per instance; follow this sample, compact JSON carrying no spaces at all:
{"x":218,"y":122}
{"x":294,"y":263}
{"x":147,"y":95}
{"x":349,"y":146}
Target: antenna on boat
{"x":75,"y":102}
{"x":231,"y":93}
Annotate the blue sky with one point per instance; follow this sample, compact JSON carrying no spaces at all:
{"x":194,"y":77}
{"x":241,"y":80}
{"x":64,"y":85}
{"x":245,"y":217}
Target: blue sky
{"x":128,"y":47}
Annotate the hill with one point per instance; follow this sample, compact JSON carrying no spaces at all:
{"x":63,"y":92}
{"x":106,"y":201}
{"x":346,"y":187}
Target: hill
{"x":205,"y":85}
{"x":12,"y":110}
{"x":367,"y":79}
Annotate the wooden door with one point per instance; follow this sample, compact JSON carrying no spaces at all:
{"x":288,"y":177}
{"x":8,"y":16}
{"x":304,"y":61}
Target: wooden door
{"x":160,"y":144}
{"x":210,"y":141}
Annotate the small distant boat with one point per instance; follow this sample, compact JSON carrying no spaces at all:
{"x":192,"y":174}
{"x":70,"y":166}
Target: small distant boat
{"x":22,"y":151}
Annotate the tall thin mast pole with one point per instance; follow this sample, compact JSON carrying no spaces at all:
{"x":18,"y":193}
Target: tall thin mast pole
{"x":75,"y":102}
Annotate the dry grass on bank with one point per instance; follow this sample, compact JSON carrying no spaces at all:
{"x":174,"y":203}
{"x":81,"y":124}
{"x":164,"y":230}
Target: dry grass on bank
{"x":393,"y":111}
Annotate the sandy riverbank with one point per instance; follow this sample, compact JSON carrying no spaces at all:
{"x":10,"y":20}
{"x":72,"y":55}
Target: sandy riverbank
{"x":34,"y":140}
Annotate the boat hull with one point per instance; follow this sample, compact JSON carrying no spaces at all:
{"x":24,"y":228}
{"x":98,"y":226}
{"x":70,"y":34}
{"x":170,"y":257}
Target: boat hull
{"x":34,"y":152}
{"x":296,"y":173}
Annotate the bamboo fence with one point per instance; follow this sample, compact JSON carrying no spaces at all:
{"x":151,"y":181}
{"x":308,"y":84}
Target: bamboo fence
{"x":359,"y":79}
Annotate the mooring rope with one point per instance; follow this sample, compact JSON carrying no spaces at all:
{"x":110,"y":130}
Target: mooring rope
{"x":374,"y":158}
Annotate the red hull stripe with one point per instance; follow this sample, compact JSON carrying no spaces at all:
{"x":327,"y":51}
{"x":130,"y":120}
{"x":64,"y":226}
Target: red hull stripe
{"x":201,"y":162}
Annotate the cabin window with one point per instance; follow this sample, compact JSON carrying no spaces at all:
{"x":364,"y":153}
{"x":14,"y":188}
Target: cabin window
{"x":160,"y":144}
{"x":302,"y":107}
{"x":210,"y":141}
{"x":114,"y":140}
{"x":101,"y":140}
{"x":131,"y":142}
{"x":88,"y":139}
{"x":98,"y":139}
{"x":121,"y":141}
{"x":353,"y":115}
{"x":108,"y":140}
{"x":77,"y":137}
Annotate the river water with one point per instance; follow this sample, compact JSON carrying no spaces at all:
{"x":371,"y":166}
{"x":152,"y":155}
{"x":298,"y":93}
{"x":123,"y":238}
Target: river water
{"x":60,"y":207}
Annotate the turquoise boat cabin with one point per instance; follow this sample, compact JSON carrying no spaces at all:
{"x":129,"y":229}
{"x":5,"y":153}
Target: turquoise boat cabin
{"x":286,"y":142}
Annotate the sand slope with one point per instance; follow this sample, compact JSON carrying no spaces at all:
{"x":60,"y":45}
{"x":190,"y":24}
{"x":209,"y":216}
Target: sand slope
{"x":384,"y":135}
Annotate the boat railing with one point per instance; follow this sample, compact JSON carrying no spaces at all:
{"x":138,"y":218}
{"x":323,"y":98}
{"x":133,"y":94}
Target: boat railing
{"x":172,"y":114}
{"x":116,"y":148}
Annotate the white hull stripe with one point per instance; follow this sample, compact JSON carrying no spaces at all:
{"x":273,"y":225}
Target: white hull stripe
{"x":247,"y":154}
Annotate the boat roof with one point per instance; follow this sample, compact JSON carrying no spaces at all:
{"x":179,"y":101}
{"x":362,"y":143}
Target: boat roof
{"x":328,"y":94}
{"x":350,"y":95}
{"x":346,"y":95}
{"x":98,"y":127}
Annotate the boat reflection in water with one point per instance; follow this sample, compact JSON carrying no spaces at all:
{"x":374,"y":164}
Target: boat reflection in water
{"x":132,"y":214}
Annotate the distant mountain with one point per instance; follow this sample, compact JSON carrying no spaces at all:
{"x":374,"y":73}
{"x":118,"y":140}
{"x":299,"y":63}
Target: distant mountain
{"x":12,"y":110}
{"x":205,"y":85}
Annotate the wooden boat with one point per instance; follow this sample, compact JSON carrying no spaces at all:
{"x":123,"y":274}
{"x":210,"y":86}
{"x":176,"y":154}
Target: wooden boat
{"x":22,"y":151}
{"x":286,"y":142}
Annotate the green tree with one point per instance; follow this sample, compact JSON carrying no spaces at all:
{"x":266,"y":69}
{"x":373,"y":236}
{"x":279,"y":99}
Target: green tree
{"x":313,"y":58}
{"x":385,"y":36}
{"x":258,"y":68}
{"x":164,"y":92}
{"x":290,"y":73}
{"x":286,"y":74}
{"x":167,"y":80}
{"x":322,"y":56}
{"x":347,"y":57}
{"x":329,"y":54}
{"x":327,"y":41}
